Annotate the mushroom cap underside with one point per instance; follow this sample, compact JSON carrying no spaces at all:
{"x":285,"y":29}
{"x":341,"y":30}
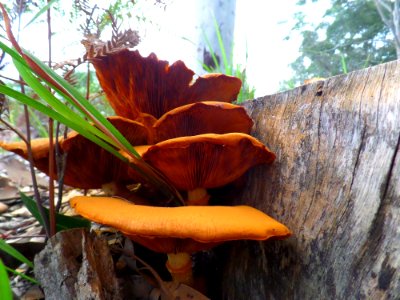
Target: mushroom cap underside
{"x":207,"y":160}
{"x":135,"y":84}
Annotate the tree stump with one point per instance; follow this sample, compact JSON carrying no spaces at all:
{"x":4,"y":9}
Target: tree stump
{"x":335,"y":184}
{"x":76,"y":264}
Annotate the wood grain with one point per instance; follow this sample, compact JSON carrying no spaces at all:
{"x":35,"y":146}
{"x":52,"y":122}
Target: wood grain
{"x":335,"y":183}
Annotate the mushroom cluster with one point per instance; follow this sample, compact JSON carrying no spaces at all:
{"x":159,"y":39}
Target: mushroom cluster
{"x":186,"y":129}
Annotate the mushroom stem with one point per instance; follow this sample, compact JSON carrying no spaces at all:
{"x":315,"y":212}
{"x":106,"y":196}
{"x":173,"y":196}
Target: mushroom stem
{"x":180,"y":267}
{"x":198,"y":196}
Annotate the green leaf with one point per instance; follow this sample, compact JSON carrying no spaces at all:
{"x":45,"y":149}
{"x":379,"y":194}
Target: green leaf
{"x":55,"y":103}
{"x":56,"y":116}
{"x":76,"y":99}
{"x":14,"y":54}
{"x":29,"y":278}
{"x":62,"y":222}
{"x":227,"y":66}
{"x":14,"y":253}
{"x":37,"y":123}
{"x":40,"y":12}
{"x":211,"y":50}
{"x":343,"y":63}
{"x":104,"y":132}
{"x":5,"y":290}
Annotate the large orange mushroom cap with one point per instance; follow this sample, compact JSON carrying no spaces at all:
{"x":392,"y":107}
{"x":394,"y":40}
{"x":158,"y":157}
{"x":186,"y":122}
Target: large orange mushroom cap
{"x":134,"y":84}
{"x":202,"y":117}
{"x":207,"y":160}
{"x":180,"y":229}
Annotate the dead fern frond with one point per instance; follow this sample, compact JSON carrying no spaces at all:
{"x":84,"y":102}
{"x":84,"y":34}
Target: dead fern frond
{"x":68,"y":67}
{"x":96,"y":48}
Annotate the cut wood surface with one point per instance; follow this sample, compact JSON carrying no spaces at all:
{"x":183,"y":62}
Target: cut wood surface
{"x":335,"y":184}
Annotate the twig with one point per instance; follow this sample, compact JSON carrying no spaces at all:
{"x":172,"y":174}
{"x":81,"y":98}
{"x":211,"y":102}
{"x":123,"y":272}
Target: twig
{"x":88,"y":82}
{"x":39,"y":205}
{"x":15,"y":130}
{"x":13,"y":80}
{"x":61,"y":161}
{"x":51,"y":142}
{"x":148,"y":267}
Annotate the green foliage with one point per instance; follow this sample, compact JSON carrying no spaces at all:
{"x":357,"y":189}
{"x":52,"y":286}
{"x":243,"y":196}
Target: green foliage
{"x":96,"y":97}
{"x":62,"y":222}
{"x":97,"y":19}
{"x":14,"y":253}
{"x":352,"y":36}
{"x":44,"y":9}
{"x":58,"y":107}
{"x":228,"y":67}
{"x":5,"y":290}
{"x":4,"y":280}
{"x":22,"y":275}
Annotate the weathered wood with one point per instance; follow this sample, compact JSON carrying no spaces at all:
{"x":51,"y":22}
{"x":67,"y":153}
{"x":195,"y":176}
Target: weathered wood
{"x":76,"y":264}
{"x":335,"y":183}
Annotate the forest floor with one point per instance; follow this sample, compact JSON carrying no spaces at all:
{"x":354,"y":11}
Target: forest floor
{"x":22,"y":231}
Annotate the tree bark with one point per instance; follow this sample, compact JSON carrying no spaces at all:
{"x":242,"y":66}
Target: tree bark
{"x":76,"y":264}
{"x":335,"y":184}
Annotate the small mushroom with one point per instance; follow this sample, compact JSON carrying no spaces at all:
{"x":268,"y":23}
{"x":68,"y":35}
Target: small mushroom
{"x":180,"y":231}
{"x":197,"y":163}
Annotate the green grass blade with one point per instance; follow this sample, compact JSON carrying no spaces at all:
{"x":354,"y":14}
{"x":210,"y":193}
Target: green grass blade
{"x":5,"y":288}
{"x":40,"y":12}
{"x":14,"y":253}
{"x":22,"y":65}
{"x":62,"y":222}
{"x":26,"y":277}
{"x":37,"y":123}
{"x":212,"y":52}
{"x":122,"y":143}
{"x":343,"y":63}
{"x":14,"y":54}
{"x":58,"y":117}
{"x":55,"y":103}
{"x":227,"y":66}
{"x":108,"y":132}
{"x":206,"y":68}
{"x":88,"y":108}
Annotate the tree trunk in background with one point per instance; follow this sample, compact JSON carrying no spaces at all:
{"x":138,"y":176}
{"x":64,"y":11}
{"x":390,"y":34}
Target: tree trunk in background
{"x":335,"y":183}
{"x":390,"y":15}
{"x":224,"y":14}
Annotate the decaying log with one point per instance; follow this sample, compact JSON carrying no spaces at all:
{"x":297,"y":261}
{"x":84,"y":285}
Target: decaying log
{"x":335,"y":183}
{"x":76,"y":264}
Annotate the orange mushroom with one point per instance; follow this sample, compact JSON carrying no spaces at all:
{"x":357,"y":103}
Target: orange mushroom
{"x":135,"y":84}
{"x":88,"y":166}
{"x":201,"y":117}
{"x":180,"y":231}
{"x":197,"y":163}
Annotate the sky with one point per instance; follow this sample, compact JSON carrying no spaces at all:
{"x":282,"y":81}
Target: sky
{"x":260,"y":30}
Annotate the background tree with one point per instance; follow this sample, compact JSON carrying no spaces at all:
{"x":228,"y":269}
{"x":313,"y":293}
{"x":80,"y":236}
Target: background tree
{"x":351,"y":36}
{"x":390,"y":13}
{"x":216,"y":23}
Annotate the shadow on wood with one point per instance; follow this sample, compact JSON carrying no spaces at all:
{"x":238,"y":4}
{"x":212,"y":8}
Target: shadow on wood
{"x":335,"y":183}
